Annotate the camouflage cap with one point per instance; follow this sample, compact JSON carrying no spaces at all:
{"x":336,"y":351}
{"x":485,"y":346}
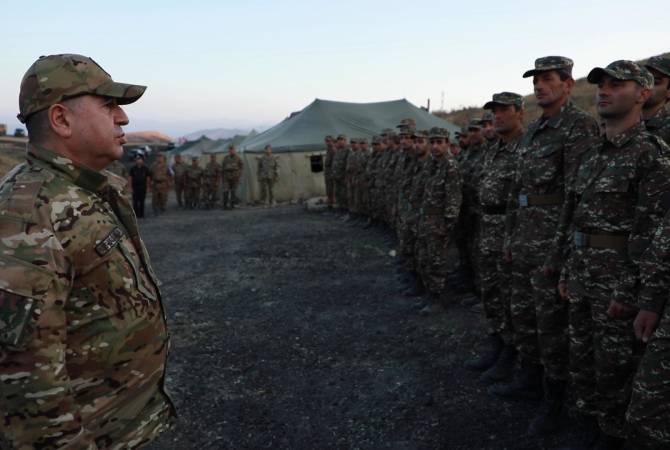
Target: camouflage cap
{"x":407,"y":126}
{"x":505,"y":98}
{"x":487,"y":117}
{"x":438,"y":133}
{"x":342,"y":136}
{"x":377,"y":140}
{"x":475,"y":124}
{"x":623,"y":70}
{"x":659,"y":63}
{"x":462,"y":132}
{"x":328,"y":136}
{"x":421,"y":134}
{"x":363,"y":141}
{"x":52,"y":79}
{"x":550,"y":63}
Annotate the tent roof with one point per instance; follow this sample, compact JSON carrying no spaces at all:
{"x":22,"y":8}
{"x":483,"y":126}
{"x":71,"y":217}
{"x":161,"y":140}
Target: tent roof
{"x":305,"y":130}
{"x":197,"y":147}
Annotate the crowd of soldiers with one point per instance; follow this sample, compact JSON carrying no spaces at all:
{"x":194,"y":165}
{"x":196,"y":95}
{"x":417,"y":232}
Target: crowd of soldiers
{"x":562,"y":232}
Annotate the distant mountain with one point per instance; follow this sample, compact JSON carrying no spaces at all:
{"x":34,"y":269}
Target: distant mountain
{"x":147,"y":137}
{"x":218,"y":133}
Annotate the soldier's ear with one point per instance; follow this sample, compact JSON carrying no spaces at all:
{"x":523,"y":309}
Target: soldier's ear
{"x":60,"y":120}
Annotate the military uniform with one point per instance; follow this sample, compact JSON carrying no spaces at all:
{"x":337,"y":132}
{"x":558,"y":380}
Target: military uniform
{"x":160,"y":186}
{"x":232,"y":173}
{"x":659,"y":123}
{"x":328,"y":175}
{"x":83,"y":337}
{"x":339,"y":177}
{"x":373,"y":173}
{"x":361,"y":192}
{"x":268,"y":174}
{"x":193,"y":177}
{"x":618,"y":192}
{"x":178,"y":170}
{"x":210,"y":187}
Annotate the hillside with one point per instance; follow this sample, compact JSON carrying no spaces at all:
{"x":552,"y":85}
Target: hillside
{"x":583,"y":96}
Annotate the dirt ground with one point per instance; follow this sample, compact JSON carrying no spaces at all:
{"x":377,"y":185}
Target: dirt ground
{"x":289,"y":332}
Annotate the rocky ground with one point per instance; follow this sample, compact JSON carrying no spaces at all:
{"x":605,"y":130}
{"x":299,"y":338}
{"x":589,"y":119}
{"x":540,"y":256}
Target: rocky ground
{"x":289,"y":332}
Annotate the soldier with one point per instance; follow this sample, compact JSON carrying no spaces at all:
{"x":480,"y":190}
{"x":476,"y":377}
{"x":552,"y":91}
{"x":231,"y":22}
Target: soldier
{"x":440,"y":206}
{"x":339,"y":173}
{"x":161,"y":178}
{"x":617,"y":205}
{"x":211,"y":179}
{"x":497,"y":177}
{"x":396,"y":182}
{"x":374,"y":182}
{"x":178,"y":169}
{"x":268,"y":174}
{"x":232,"y":173}
{"x":361,"y":197}
{"x":328,"y":171}
{"x":193,"y":177}
{"x":488,"y":129}
{"x":351,"y":173}
{"x":654,"y":112}
{"x":548,"y":156}
{"x":139,"y":180}
{"x":83,"y":336}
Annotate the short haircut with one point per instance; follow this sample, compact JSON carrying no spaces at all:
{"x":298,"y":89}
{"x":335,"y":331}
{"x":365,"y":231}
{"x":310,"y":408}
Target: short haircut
{"x":38,"y":127}
{"x":564,"y":74}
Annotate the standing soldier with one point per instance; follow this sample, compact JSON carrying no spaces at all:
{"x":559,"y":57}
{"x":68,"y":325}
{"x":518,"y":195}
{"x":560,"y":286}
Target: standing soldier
{"x":192,"y":183}
{"x":211,"y":179}
{"x":160,"y":184}
{"x":497,"y":178}
{"x":268,"y":174}
{"x":351,"y":173}
{"x":549,"y":154}
{"x":139,"y":180}
{"x":83,"y":338}
{"x":178,"y":169}
{"x":328,"y":171}
{"x":654,"y":112}
{"x":339,"y":173}
{"x":232,"y":173}
{"x":374,"y":182}
{"x":362,"y":193}
{"x":439,"y":211}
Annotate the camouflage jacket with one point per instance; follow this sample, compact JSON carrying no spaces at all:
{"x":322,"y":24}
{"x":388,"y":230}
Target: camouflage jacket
{"x":470,"y":169}
{"x":395,"y":176}
{"x":353,"y":166}
{"x":160,"y":174}
{"x":268,"y":168}
{"x":497,"y":176}
{"x":328,"y":163}
{"x":548,"y":157}
{"x":83,"y":336}
{"x":338,"y":170}
{"x":419,"y":174}
{"x":655,"y":270}
{"x":178,"y":172}
{"x":659,"y":125}
{"x":373,"y":170}
{"x":363,"y":160}
{"x":212,"y":173}
{"x":441,"y":200}
{"x":620,"y":190}
{"x":193,"y":176}
{"x":232,"y":166}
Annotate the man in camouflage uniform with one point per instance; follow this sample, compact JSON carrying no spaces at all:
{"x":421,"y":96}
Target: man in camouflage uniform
{"x":83,"y":336}
{"x":374,"y":182}
{"x":232,"y":173}
{"x":193,"y":177}
{"x":616,"y":205}
{"x":328,"y":170}
{"x":160,"y":184}
{"x":268,"y":174}
{"x":178,"y":169}
{"x":211,"y":179}
{"x":438,"y":213}
{"x":338,"y":171}
{"x":351,"y":171}
{"x":488,"y":128}
{"x":497,"y":177}
{"x":654,"y":112}
{"x":401,"y":155}
{"x":361,"y":197}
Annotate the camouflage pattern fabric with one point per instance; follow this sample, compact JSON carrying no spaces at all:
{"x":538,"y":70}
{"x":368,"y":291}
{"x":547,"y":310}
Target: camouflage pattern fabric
{"x":193,"y":178}
{"x":339,"y":176}
{"x":497,"y":175}
{"x":178,"y":170}
{"x":619,"y":191}
{"x":328,"y":176}
{"x":361,"y":191}
{"x":373,"y":171}
{"x":210,"y":184}
{"x":118,"y":169}
{"x":417,"y":174}
{"x":83,"y":335}
{"x":440,"y":206}
{"x":352,"y":173}
{"x":232,"y":173}
{"x":659,"y":125}
{"x":549,"y":154}
{"x":160,"y":185}
{"x":268,"y":174}
{"x":394,"y":176}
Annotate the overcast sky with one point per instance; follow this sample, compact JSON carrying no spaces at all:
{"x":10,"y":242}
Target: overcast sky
{"x":245,"y":63}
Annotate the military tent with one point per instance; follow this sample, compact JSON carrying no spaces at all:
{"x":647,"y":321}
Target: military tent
{"x":297,"y":142}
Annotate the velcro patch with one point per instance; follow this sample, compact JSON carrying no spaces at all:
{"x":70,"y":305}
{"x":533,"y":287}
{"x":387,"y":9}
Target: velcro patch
{"x":109,"y":242}
{"x":15,"y":312}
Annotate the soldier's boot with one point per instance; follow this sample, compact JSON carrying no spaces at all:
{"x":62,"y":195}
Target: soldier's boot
{"x":432,"y":307}
{"x":525,"y":385}
{"x":503,"y":367}
{"x":491,"y":348}
{"x":415,"y":287}
{"x":226,"y":199}
{"x":548,"y":417}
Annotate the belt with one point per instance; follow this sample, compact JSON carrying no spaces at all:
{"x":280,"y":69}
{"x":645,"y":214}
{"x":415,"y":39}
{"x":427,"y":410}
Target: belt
{"x":540,"y":200}
{"x":609,"y":241}
{"x":494,"y":209}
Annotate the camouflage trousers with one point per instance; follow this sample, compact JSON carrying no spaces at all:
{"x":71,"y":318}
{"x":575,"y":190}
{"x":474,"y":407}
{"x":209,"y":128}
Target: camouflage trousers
{"x":407,"y":240}
{"x":210,"y":194}
{"x":352,"y":189}
{"x":539,"y":319}
{"x":363,"y":199}
{"x":159,"y":197}
{"x":341,"y":193}
{"x":267,"y":190}
{"x":179,"y":192}
{"x":495,"y":293}
{"x":330,"y":189}
{"x":391,"y":207}
{"x":431,"y":254}
{"x":649,"y":410}
{"x":376,"y":204}
{"x":603,"y":351}
{"x":230,"y":185}
{"x":192,"y":199}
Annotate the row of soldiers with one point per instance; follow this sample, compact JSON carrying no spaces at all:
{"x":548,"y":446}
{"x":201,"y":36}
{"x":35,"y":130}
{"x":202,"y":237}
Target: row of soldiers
{"x":564,"y":228}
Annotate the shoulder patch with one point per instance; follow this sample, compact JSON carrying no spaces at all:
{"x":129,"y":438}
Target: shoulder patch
{"x":109,"y":242}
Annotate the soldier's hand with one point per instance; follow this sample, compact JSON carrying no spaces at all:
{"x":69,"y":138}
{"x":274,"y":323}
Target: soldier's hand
{"x":618,"y":310}
{"x":563,"y":289}
{"x":507,"y":256}
{"x":645,"y":324}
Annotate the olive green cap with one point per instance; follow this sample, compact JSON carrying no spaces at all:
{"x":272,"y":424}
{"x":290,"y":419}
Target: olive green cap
{"x":505,"y":98}
{"x":659,"y":63}
{"x":438,"y":133}
{"x":550,"y":63}
{"x":54,"y":78}
{"x":623,"y":70}
{"x":475,"y":124}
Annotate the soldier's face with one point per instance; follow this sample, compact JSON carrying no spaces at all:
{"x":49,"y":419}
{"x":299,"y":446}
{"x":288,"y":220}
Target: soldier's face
{"x":549,"y":88}
{"x":617,"y":98}
{"x":506,"y":118}
{"x":660,"y":93}
{"x":96,"y":134}
{"x":177,"y":159}
{"x":438,"y":147}
{"x":489,"y":131}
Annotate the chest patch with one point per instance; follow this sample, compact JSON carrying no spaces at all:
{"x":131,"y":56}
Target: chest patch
{"x":109,"y":242}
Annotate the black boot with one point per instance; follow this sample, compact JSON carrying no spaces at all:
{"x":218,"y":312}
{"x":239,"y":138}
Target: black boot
{"x":503,"y":367}
{"x":415,"y":288}
{"x":492,"y":346}
{"x":548,"y":417}
{"x":526,"y":384}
